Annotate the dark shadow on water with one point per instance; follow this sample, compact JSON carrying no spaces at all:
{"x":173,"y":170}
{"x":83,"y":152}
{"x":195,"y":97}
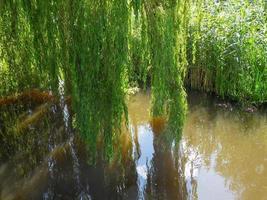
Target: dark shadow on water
{"x":42,"y":157}
{"x":165,"y":180}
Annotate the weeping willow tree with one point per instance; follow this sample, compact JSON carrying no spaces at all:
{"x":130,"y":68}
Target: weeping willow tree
{"x":164,"y":33}
{"x":86,"y":45}
{"x":99,"y":69}
{"x":30,"y":46}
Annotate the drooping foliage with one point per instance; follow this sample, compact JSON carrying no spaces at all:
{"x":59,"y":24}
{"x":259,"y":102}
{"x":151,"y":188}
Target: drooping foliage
{"x":230,"y":43}
{"x":98,"y":68}
{"x":32,"y":44}
{"x":162,"y":40}
{"x":92,"y":48}
{"x":167,"y":32}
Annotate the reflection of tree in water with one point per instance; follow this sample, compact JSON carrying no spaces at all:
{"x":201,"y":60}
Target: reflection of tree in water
{"x":59,"y":167}
{"x":189,"y":158}
{"x":110,"y":180}
{"x":236,"y":141}
{"x":104,"y":180}
{"x":43,"y":158}
{"x":25,"y":135}
{"x":165,"y":176}
{"x":242,"y":157}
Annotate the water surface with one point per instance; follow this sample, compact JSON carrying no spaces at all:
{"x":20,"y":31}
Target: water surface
{"x":223,"y":151}
{"x":222,"y":155}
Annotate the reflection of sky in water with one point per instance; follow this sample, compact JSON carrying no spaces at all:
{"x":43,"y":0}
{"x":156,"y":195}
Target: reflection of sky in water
{"x":145,"y":138}
{"x":222,"y":153}
{"x":211,"y":185}
{"x":205,"y":180}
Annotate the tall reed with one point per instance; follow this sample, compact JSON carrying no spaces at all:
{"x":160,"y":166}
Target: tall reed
{"x":230,"y":50}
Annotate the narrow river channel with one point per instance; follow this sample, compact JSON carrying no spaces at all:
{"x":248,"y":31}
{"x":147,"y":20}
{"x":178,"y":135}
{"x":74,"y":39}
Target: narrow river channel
{"x":222,"y":155}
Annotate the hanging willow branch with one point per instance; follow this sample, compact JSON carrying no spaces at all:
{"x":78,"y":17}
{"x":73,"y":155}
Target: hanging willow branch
{"x":167,"y":29}
{"x":87,"y":44}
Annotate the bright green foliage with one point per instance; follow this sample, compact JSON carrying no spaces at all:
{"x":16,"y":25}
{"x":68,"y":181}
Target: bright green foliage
{"x":31,"y":44}
{"x":99,"y":67}
{"x":92,"y":47}
{"x":167,"y":32}
{"x":84,"y":43}
{"x":158,"y":55}
{"x":139,"y":70}
{"x":231,"y":49}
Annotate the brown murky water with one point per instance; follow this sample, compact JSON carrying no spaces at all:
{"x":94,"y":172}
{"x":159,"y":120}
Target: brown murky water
{"x":222,"y":155}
